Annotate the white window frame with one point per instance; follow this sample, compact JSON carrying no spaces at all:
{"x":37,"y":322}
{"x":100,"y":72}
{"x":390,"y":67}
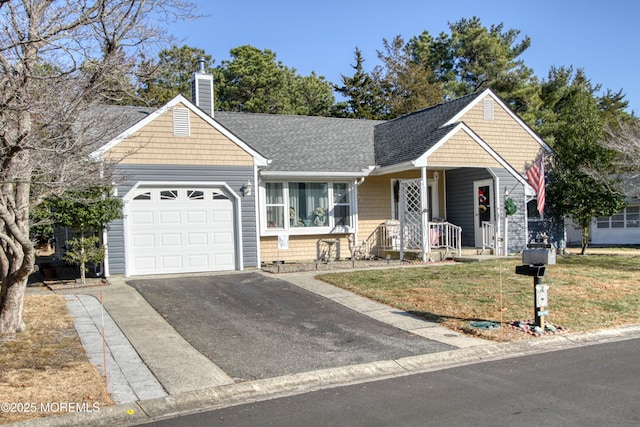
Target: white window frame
{"x":302,"y":231}
{"x":608,"y":221}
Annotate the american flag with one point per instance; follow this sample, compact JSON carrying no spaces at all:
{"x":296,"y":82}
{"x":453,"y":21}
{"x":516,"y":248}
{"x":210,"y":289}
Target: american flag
{"x":535,"y":176}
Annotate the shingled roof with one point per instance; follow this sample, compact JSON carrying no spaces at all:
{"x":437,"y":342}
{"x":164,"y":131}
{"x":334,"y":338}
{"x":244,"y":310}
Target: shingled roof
{"x":303,"y":143}
{"x":325,"y":144}
{"x":408,"y":137}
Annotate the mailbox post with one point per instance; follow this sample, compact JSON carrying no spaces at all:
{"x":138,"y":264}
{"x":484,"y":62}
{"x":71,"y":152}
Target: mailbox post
{"x":534,"y":258}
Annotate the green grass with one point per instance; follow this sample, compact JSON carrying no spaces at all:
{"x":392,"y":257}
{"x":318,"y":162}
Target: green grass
{"x":585,"y":292}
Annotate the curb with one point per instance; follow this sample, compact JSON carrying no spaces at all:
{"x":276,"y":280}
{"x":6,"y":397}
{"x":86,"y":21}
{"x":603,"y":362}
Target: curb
{"x":289,"y":385}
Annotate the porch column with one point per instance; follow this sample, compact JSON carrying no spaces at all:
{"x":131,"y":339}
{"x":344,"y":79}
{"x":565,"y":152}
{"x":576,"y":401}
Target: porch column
{"x":424,"y":199}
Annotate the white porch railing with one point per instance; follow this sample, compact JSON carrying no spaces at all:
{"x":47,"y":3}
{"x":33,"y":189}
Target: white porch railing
{"x":445,"y":235}
{"x":442,"y":235}
{"x":490,"y":237}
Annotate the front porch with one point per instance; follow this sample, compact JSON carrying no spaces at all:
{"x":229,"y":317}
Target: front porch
{"x":439,"y":214}
{"x":445,"y":242}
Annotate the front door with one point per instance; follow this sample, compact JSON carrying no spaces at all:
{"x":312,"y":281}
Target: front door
{"x":483,"y":206}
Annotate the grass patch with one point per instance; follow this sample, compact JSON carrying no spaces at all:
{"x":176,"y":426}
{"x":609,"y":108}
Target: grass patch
{"x":46,"y":364}
{"x":585,"y":292}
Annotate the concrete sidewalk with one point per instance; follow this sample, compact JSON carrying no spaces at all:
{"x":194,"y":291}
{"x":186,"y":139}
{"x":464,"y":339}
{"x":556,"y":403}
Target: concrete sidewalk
{"x":128,"y":378}
{"x":381,"y":312}
{"x":177,"y":366}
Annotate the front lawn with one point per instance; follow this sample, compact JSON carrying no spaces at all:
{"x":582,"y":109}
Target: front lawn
{"x":585,"y":293}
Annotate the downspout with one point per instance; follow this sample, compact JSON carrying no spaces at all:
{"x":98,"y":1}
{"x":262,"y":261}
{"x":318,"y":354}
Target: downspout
{"x":354,"y":202}
{"x":105,"y":245}
{"x":256,"y":208}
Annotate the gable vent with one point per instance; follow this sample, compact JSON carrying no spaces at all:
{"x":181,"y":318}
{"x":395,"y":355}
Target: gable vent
{"x":181,"y":125}
{"x":488,"y":109}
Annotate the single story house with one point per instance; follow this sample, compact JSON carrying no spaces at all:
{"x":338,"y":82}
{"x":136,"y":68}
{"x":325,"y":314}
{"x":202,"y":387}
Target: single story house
{"x":208,"y":190}
{"x":622,"y":228}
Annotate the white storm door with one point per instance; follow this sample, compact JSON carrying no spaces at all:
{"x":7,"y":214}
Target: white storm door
{"x":483,"y":207}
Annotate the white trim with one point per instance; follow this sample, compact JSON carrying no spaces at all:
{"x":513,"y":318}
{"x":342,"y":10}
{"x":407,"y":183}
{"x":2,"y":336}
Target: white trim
{"x":398,"y":167}
{"x":425,"y":206}
{"x":477,"y":226}
{"x":258,"y":158}
{"x":181,"y":184}
{"x":498,"y":210}
{"x":434,"y":207}
{"x":311,"y":176}
{"x":514,"y":116}
{"x":307,"y":231}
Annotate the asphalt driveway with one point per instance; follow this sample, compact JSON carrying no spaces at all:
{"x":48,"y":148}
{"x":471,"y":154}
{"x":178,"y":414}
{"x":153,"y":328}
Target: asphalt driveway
{"x":254,"y":326}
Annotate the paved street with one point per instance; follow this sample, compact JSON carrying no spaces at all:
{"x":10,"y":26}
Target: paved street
{"x":596,"y":385}
{"x":254,"y":326}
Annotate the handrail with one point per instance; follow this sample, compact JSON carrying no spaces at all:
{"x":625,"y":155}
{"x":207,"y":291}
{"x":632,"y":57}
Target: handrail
{"x":442,"y":235}
{"x":445,"y":235}
{"x":489,"y":237}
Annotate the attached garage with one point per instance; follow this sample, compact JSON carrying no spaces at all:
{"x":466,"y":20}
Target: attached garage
{"x":181,"y":229}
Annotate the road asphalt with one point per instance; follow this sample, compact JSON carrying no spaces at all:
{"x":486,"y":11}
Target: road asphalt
{"x":154,"y":373}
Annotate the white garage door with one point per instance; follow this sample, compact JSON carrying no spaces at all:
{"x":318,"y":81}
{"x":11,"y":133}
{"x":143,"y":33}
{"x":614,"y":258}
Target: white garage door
{"x":180,"y":230}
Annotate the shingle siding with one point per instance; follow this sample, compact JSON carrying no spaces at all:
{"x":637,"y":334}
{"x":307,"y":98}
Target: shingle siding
{"x":234,"y":176}
{"x":516,"y":227}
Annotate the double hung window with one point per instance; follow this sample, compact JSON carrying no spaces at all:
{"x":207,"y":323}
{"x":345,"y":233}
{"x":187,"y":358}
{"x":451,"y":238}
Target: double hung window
{"x":307,"y":207}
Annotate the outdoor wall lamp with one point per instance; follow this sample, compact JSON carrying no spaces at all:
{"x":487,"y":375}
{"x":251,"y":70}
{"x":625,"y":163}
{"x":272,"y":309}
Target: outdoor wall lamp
{"x":246,"y":189}
{"x":436,"y":175}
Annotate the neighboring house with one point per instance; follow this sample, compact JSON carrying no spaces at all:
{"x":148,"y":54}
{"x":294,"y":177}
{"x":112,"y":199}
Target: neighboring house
{"x":622,"y":228}
{"x":207,"y":190}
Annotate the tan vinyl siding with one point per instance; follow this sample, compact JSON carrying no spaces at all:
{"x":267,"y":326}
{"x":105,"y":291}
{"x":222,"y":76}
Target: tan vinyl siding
{"x":374,"y":202}
{"x":156,"y":144}
{"x":461,"y":151}
{"x":301,"y":248}
{"x":504,"y":134}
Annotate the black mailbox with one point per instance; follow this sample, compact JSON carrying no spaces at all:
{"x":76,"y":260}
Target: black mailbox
{"x":530,"y":270}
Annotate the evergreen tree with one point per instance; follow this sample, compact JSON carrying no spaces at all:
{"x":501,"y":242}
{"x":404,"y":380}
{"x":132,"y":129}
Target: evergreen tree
{"x":253,"y":81}
{"x":163,"y":79}
{"x":473,"y":57}
{"x":361,"y":92}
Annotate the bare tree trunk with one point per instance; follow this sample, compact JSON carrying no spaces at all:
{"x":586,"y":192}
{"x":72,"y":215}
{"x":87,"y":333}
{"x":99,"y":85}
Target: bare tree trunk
{"x":11,"y":303}
{"x":83,"y":273}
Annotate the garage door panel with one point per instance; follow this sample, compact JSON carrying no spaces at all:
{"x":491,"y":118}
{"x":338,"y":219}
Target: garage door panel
{"x":222,"y":238}
{"x":197,"y":239}
{"x":142,"y":218}
{"x":221,"y":216}
{"x":196,"y":217}
{"x":145,"y":263}
{"x":198,"y":260}
{"x":172,"y":240}
{"x":171,"y":262}
{"x":223,"y":261}
{"x":181,"y":235}
{"x":143,"y":241}
{"x":169,"y":217}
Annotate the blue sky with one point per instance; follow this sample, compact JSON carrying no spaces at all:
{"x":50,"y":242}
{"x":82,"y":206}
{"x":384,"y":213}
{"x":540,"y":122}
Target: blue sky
{"x":602,"y":37}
